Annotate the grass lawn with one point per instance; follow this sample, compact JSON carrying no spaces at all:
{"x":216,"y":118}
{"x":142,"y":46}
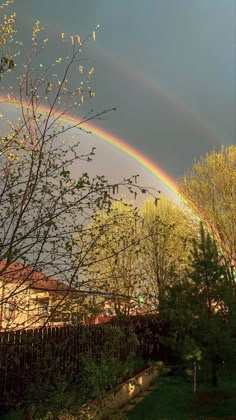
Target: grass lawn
{"x":173,"y":399}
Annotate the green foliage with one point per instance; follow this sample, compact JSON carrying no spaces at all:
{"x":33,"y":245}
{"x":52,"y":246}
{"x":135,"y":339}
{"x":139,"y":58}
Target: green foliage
{"x":138,"y":253}
{"x":210,"y":189}
{"x":190,"y":351}
{"x":51,"y":399}
{"x":116,"y":271}
{"x":109,"y":360}
{"x":97,"y":378}
{"x":168,"y":229}
{"x":198,"y":310}
{"x":208,"y":267}
{"x":103,"y":374}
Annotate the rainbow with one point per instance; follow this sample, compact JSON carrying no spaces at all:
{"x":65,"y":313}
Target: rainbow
{"x":151,"y":85}
{"x":121,"y":144}
{"x":113,"y":140}
{"x":162,"y":91}
{"x":140,"y":158}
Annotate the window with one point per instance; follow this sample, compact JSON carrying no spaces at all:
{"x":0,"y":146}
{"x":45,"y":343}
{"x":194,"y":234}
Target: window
{"x":10,"y":310}
{"x":43,"y":307}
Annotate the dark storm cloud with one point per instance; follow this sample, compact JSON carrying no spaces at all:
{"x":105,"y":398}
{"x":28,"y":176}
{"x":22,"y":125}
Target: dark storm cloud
{"x":181,"y":101}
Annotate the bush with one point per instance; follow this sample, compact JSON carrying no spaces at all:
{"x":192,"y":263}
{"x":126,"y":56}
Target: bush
{"x":99,"y":378}
{"x":99,"y":372}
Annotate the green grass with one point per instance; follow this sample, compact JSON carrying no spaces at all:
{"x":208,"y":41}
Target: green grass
{"x":173,"y":400}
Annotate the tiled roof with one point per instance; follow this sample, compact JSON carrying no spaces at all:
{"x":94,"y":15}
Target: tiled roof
{"x":18,"y":273}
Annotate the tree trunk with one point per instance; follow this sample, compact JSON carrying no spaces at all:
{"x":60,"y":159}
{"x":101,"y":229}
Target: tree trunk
{"x":214,"y":379}
{"x":194,"y":378}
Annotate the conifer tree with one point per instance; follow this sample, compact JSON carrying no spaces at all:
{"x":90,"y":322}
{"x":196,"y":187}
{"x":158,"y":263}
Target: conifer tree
{"x":212,"y":330}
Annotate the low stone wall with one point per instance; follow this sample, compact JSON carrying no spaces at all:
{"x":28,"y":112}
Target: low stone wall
{"x":118,"y":397}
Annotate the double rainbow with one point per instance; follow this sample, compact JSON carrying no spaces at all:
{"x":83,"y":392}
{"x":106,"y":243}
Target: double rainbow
{"x":116,"y":142}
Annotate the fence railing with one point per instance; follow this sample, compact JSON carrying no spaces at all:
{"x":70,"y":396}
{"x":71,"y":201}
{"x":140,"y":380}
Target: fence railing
{"x":30,"y":356}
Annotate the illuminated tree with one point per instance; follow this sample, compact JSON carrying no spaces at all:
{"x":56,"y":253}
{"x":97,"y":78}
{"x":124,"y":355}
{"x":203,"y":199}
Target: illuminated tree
{"x":116,"y":272}
{"x":169,"y":230}
{"x":210,"y":189}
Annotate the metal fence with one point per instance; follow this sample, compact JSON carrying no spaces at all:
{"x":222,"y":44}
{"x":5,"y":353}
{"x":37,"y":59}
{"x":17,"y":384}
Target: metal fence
{"x":34,"y":356}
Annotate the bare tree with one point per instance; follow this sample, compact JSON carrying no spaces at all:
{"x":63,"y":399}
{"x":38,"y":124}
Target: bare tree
{"x":42,"y":206}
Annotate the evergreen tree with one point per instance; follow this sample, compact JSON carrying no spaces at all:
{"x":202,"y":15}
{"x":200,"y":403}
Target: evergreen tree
{"x":212,"y":330}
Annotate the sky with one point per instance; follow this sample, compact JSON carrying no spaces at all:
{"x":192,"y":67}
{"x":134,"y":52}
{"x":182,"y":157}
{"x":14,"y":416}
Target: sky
{"x":169,"y":66}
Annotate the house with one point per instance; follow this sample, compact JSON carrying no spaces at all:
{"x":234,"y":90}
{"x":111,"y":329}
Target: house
{"x":30,"y":299}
